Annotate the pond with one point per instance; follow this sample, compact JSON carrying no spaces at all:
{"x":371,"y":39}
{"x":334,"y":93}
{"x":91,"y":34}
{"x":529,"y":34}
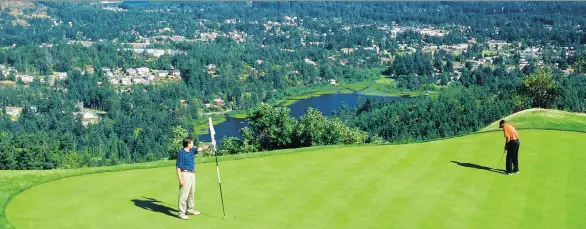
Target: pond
{"x":324,"y":103}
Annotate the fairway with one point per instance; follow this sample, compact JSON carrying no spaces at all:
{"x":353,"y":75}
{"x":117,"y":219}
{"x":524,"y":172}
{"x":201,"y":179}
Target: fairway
{"x":440,"y":184}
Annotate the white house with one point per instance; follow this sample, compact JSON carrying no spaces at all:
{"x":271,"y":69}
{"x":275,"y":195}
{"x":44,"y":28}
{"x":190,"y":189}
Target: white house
{"x":126,"y":81}
{"x":176,"y":73}
{"x":162,"y":73}
{"x":62,"y":75}
{"x":307,"y":60}
{"x":25,"y":78}
{"x":150,"y":78}
{"x":142,"y":70}
{"x":131,"y":71}
{"x":138,"y":80}
{"x":13,"y":111}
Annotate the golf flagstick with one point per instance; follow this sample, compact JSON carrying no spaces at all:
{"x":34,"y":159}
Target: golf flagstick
{"x":212,"y":133}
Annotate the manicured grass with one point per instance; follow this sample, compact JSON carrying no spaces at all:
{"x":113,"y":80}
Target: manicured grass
{"x":202,"y":124}
{"x":385,"y":80}
{"x":14,"y":182}
{"x":310,"y":93}
{"x":409,"y":185}
{"x":237,"y":114}
{"x":544,"y":119}
{"x":441,"y":184}
{"x":357,"y":86}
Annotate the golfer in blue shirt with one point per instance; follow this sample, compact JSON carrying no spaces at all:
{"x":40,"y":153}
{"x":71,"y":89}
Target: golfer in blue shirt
{"x":185,"y":172}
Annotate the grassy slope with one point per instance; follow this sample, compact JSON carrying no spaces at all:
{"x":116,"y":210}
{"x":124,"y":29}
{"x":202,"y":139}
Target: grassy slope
{"x":15,"y":182}
{"x":202,"y":125}
{"x":380,"y":87}
{"x":544,"y":119}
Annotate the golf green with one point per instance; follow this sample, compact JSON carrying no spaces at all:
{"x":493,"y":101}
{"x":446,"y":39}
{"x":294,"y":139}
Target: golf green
{"x":440,"y":184}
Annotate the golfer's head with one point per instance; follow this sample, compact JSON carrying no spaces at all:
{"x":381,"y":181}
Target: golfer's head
{"x":502,"y":123}
{"x":188,"y":142}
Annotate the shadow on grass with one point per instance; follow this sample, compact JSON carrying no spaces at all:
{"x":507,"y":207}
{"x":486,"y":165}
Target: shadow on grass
{"x":475,"y":166}
{"x":213,"y":216}
{"x":155,"y":206}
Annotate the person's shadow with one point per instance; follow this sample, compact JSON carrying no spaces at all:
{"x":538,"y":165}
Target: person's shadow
{"x":155,"y":206}
{"x":475,"y":166}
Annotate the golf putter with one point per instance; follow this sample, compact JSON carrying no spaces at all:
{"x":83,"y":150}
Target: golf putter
{"x":497,"y":165}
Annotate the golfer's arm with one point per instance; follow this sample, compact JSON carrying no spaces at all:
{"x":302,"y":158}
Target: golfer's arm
{"x":200,"y":149}
{"x":178,"y":173}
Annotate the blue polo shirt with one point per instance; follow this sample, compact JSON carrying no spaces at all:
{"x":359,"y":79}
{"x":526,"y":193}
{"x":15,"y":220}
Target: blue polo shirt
{"x":185,"y":160}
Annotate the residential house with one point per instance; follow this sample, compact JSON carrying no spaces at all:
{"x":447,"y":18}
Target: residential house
{"x":89,"y":118}
{"x":62,"y":75}
{"x":14,"y":111}
{"x":138,"y":80}
{"x":347,"y":50}
{"x":25,"y":78}
{"x":143,"y":71}
{"x":109,"y":74}
{"x":150,"y":78}
{"x":126,"y":81}
{"x":131,"y":72}
{"x":332,"y":81}
{"x":114,"y":81}
{"x":176,"y":73}
{"x":308,"y":61}
{"x":156,"y":52}
{"x":162,"y":74}
{"x":183,"y":102}
{"x":177,"y":38}
{"x":219,"y":102}
{"x":90,"y":69}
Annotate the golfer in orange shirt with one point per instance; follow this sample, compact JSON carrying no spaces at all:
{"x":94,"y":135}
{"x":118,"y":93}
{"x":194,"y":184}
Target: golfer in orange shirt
{"x":511,"y":146}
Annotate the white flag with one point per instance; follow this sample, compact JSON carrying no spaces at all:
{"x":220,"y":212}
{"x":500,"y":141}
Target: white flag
{"x":212,"y":133}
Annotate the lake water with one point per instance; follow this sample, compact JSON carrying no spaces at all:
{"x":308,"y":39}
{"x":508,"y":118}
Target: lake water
{"x":325,"y":103}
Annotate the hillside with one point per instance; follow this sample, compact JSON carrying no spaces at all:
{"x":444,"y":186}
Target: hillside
{"x":544,"y":119}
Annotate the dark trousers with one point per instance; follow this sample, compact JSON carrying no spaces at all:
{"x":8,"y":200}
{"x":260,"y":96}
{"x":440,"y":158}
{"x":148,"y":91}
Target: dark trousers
{"x":512,"y":156}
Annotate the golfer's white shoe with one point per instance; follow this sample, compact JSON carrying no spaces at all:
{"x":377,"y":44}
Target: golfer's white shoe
{"x":194,"y":213}
{"x":184,"y":217}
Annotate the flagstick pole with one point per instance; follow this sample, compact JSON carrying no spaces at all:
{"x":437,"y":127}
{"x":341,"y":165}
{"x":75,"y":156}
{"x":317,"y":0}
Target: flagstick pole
{"x":220,"y":184}
{"x":212,"y":133}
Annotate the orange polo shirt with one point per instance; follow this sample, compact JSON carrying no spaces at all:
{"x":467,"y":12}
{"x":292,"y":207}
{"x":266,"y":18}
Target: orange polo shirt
{"x":510,"y":132}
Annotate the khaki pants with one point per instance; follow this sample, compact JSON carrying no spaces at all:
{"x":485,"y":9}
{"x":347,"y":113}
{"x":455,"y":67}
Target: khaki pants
{"x":186,"y":193}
